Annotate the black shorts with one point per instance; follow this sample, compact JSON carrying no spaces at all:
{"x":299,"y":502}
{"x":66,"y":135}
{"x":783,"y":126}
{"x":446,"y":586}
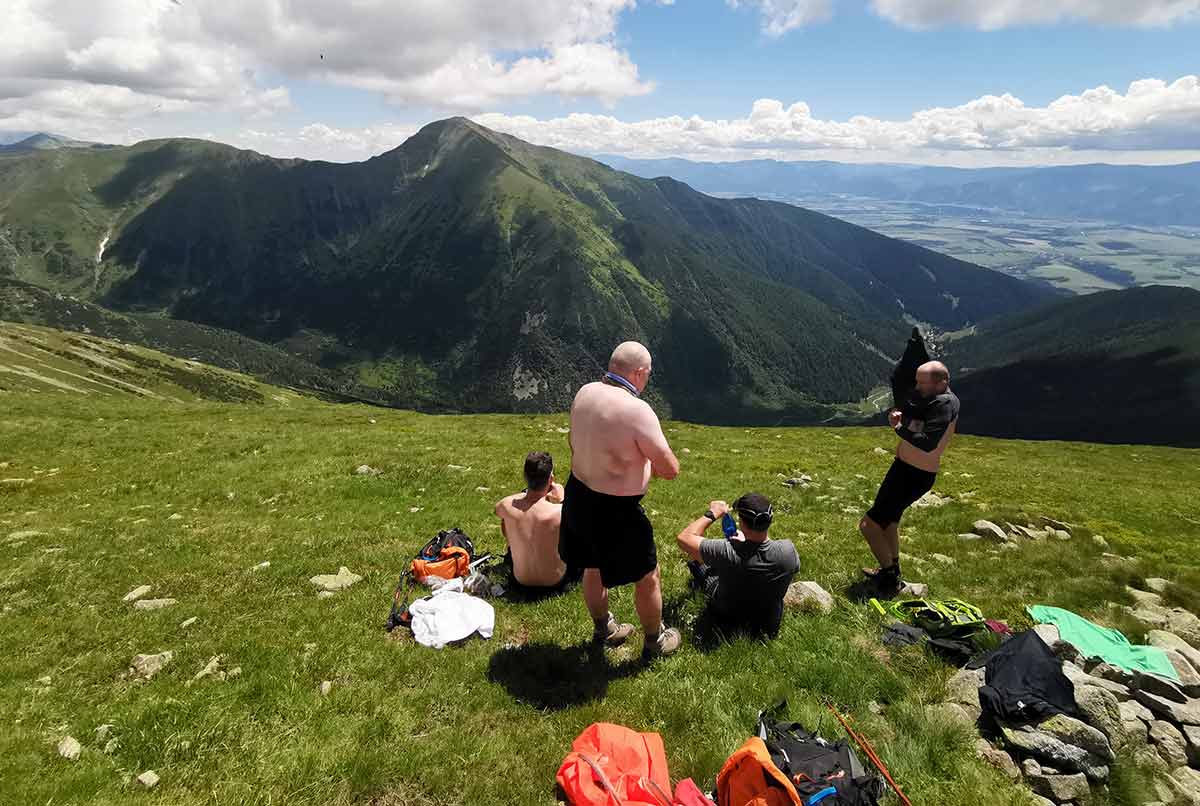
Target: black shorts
{"x":902,"y":485}
{"x":610,"y":533}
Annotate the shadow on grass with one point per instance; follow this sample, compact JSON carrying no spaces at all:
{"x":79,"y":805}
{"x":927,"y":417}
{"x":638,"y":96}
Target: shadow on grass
{"x":556,"y":677}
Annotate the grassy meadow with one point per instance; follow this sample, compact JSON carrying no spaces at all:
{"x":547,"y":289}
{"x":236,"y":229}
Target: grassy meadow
{"x":99,"y":495}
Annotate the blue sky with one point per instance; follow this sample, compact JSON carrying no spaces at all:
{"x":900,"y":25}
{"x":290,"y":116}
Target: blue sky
{"x":929,"y":81}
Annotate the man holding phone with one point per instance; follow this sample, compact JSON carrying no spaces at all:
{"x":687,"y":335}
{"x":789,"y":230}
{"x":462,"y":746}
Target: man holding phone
{"x":746,"y":574}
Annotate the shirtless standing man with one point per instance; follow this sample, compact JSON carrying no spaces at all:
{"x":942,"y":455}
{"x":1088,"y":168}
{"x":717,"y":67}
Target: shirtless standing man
{"x":925,"y":426}
{"x":617,"y":444}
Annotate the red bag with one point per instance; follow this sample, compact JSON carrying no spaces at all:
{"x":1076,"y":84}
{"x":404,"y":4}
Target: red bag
{"x":688,"y":794}
{"x":611,"y":765}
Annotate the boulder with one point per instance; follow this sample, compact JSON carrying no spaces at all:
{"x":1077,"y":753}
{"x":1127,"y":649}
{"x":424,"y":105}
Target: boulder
{"x":1191,"y":738}
{"x":1048,"y":633}
{"x":149,"y":779}
{"x":1171,"y":641}
{"x":1184,"y":624}
{"x":146,"y":666}
{"x":1170,"y":744}
{"x":1100,"y":542}
{"x":985,"y":528}
{"x":1030,"y":766}
{"x":1060,"y":788}
{"x":1115,"y":674}
{"x":1056,"y":524}
{"x":1079,"y":734}
{"x":1185,"y":713}
{"x":343,"y":579}
{"x":69,"y":748}
{"x":1100,"y":709}
{"x":1185,"y":784}
{"x":1141,"y":598}
{"x":1052,"y":751}
{"x":963,"y":689}
{"x":950,"y":712}
{"x":808,"y":595}
{"x":1156,"y":584}
{"x":1189,"y":678}
{"x":998,"y":759}
{"x":1154,"y":684}
{"x":1135,"y":710}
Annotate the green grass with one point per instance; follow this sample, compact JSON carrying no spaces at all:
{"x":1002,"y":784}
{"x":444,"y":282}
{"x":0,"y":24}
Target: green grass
{"x":487,"y":722}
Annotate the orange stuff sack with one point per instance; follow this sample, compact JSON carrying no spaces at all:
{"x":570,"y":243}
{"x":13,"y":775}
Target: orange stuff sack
{"x":611,"y":765}
{"x":452,"y":562}
{"x":750,"y":778}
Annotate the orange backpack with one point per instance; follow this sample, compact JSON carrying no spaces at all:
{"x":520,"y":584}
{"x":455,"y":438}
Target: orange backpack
{"x":750,"y":778}
{"x":449,"y":555}
{"x":611,"y":765}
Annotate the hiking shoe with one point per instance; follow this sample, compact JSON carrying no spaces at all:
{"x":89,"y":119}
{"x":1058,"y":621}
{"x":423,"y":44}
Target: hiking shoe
{"x":886,"y":586}
{"x":668,"y":641}
{"x":614,"y":633}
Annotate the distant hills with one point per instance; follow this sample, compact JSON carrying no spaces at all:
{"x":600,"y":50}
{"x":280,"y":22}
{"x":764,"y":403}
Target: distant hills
{"x":25,"y":142}
{"x":1131,"y":194}
{"x":1116,"y":366}
{"x":469,"y":270}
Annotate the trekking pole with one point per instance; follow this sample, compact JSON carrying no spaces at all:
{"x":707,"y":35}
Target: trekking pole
{"x":866,"y":747}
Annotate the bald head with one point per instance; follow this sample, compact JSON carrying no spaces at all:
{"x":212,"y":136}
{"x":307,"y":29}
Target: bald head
{"x":631,"y":360}
{"x":933,"y":378}
{"x":629,"y":357}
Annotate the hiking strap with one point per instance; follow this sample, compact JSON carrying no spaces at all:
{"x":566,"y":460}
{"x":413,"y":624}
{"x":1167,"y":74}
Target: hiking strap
{"x":866,"y":747}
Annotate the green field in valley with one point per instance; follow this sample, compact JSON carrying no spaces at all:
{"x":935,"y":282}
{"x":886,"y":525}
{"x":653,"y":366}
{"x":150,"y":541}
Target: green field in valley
{"x":102,"y":493}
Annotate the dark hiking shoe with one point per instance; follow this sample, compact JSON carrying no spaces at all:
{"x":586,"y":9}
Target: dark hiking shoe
{"x":666,"y":642}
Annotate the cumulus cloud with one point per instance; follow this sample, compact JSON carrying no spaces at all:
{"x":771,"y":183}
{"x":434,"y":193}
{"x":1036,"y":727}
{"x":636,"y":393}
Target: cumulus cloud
{"x":780,"y":16}
{"x":321,"y":141}
{"x":139,"y":56}
{"x":1150,"y":115}
{"x":990,"y":15}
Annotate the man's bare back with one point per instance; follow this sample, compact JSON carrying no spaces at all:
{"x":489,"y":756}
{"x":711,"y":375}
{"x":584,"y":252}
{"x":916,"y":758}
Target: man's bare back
{"x":617,"y":442}
{"x":530,"y":525}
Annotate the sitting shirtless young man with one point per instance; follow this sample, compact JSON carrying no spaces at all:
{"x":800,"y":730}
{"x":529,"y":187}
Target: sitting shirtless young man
{"x":617,"y":445}
{"x":530,"y":522}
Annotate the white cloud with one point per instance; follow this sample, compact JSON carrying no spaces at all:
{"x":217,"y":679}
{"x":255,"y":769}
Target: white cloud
{"x":780,"y":16}
{"x":1151,"y":115}
{"x":143,"y":56}
{"x":991,"y":15}
{"x":321,"y":141}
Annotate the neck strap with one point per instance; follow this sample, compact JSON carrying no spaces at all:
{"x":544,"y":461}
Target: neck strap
{"x":619,"y":381}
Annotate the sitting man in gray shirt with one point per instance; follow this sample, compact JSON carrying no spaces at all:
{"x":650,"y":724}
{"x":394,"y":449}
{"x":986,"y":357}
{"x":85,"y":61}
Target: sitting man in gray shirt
{"x":745,"y":575}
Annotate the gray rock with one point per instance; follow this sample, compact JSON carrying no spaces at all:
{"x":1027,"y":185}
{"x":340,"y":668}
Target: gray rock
{"x":963,"y":689}
{"x":1100,"y":709}
{"x":1137,"y":733}
{"x":325,"y":594}
{"x":1030,"y":767}
{"x":1191,"y":737}
{"x":136,"y":593}
{"x":146,"y":666}
{"x":1060,"y":788}
{"x":326,"y":687}
{"x":1132,"y":710}
{"x":1169,"y":743}
{"x":1100,"y":541}
{"x":985,"y":528}
{"x":808,"y":595}
{"x":1048,"y":633}
{"x":365,"y":470}
{"x":1038,"y":800}
{"x":1154,"y":684}
{"x":149,"y":779}
{"x":1184,"y":624}
{"x":1187,"y":713}
{"x":950,"y":712}
{"x":69,"y":748}
{"x":968,"y":538}
{"x":188,"y":622}
{"x":1056,"y":524}
{"x":998,"y":759}
{"x":1189,"y":678}
{"x":1143,"y":598}
{"x":104,"y":732}
{"x":1157,"y":584}
{"x":1171,"y":641}
{"x":917,"y":590}
{"x":153,"y":604}
{"x":210,"y":670}
{"x":1051,"y":750}
{"x":1185,"y":783}
{"x":881,"y":452}
{"x":343,"y":579}
{"x":1115,"y":674}
{"x":1079,"y":734}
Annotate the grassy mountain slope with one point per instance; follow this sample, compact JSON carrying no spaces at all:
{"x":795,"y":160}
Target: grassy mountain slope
{"x":403,"y":724}
{"x":490,"y":274}
{"x":1154,"y":195}
{"x":1118,"y":366}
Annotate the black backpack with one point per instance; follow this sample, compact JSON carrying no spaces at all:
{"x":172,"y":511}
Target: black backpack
{"x":815,"y":765}
{"x":446,"y":538}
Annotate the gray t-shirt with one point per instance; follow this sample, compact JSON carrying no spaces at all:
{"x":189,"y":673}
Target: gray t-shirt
{"x":752,"y":581}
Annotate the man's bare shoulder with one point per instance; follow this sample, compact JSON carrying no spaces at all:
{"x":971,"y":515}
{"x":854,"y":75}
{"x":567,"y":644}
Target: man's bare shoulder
{"x":505,"y":504}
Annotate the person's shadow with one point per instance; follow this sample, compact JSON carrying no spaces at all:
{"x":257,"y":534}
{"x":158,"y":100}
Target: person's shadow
{"x":554,"y":677}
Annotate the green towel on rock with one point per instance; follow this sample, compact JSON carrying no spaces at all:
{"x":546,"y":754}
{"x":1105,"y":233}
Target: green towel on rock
{"x":1094,"y":641}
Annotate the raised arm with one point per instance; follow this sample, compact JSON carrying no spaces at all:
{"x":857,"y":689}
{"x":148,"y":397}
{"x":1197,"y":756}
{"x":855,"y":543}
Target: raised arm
{"x":926,"y":434}
{"x":692,"y":536}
